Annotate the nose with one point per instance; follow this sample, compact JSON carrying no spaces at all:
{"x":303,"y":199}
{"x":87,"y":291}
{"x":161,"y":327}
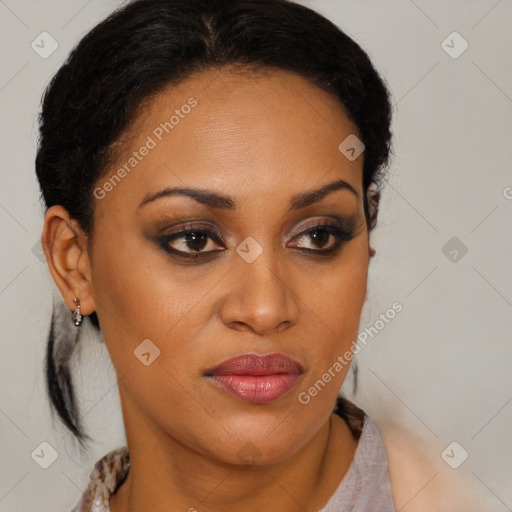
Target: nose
{"x":260,"y":297}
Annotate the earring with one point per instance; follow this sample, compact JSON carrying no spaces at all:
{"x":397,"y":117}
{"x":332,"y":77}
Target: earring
{"x":76,"y":316}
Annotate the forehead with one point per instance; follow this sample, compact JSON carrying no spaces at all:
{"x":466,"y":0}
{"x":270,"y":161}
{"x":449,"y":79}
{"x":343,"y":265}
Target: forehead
{"x":249,"y":134}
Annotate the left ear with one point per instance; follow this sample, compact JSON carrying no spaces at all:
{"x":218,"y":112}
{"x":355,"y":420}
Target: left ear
{"x":373,"y":198}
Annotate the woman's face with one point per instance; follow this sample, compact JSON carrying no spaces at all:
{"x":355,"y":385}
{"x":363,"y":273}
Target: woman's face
{"x":249,"y":280}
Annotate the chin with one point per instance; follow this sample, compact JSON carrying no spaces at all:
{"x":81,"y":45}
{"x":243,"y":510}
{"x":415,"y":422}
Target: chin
{"x":261,"y":443}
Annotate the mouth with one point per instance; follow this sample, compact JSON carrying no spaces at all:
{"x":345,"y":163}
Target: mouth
{"x":256,"y":379}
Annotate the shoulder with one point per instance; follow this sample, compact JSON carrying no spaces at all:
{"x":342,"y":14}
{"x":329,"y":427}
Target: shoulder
{"x":370,"y":448}
{"x":370,"y":470}
{"x":366,"y":485}
{"x":108,"y":474}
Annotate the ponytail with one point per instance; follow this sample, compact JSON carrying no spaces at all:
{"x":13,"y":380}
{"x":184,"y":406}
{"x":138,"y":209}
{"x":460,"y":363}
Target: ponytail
{"x":61,"y":344}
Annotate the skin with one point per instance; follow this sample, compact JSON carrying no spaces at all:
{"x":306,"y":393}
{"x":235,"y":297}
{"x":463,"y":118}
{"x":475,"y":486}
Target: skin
{"x":261,"y":139}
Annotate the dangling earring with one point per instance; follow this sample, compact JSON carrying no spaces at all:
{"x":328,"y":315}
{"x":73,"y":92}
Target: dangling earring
{"x":76,"y":316}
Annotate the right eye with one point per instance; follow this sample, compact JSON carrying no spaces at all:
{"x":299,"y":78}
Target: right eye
{"x":190,"y":243}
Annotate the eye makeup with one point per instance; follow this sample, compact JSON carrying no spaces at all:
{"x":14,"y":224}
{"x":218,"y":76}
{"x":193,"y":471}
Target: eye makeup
{"x":194,"y":241}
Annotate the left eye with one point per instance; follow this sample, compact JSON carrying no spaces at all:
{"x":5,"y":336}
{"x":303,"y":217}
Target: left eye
{"x":320,"y":236}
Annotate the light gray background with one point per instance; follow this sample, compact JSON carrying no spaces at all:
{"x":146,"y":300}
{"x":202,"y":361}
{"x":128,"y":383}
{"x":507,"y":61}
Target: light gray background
{"x":439,"y":372}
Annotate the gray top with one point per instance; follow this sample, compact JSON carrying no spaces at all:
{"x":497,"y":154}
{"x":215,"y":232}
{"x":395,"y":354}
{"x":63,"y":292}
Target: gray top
{"x":365,"y":487}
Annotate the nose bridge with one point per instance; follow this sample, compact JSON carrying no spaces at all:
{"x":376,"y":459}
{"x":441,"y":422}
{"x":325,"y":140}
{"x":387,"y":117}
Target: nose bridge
{"x":260,"y":295}
{"x":263,"y":271}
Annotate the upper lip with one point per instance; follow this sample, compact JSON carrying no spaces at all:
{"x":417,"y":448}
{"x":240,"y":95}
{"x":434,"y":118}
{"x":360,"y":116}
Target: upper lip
{"x":254,"y":364}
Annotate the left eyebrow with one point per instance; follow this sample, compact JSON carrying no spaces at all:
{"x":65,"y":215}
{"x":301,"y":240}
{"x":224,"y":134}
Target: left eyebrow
{"x":313,"y":196}
{"x":224,"y":202}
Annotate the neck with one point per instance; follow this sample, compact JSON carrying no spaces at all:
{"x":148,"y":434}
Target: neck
{"x":165,"y":474}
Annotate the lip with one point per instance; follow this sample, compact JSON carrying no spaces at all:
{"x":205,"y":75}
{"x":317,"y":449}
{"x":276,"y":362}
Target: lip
{"x":255,"y":378}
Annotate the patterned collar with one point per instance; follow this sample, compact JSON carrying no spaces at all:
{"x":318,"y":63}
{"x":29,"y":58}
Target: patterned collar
{"x":108,"y":475}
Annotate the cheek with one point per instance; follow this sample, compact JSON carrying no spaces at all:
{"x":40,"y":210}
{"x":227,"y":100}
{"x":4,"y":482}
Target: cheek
{"x":157,"y":301}
{"x":335,"y":303}
{"x":340,"y":291}
{"x":344,"y":308}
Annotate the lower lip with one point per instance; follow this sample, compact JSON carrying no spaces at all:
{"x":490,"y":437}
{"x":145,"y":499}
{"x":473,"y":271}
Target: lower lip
{"x":256,"y":389}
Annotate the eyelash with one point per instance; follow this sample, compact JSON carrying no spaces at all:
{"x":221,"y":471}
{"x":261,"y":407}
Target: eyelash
{"x":340,"y":235}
